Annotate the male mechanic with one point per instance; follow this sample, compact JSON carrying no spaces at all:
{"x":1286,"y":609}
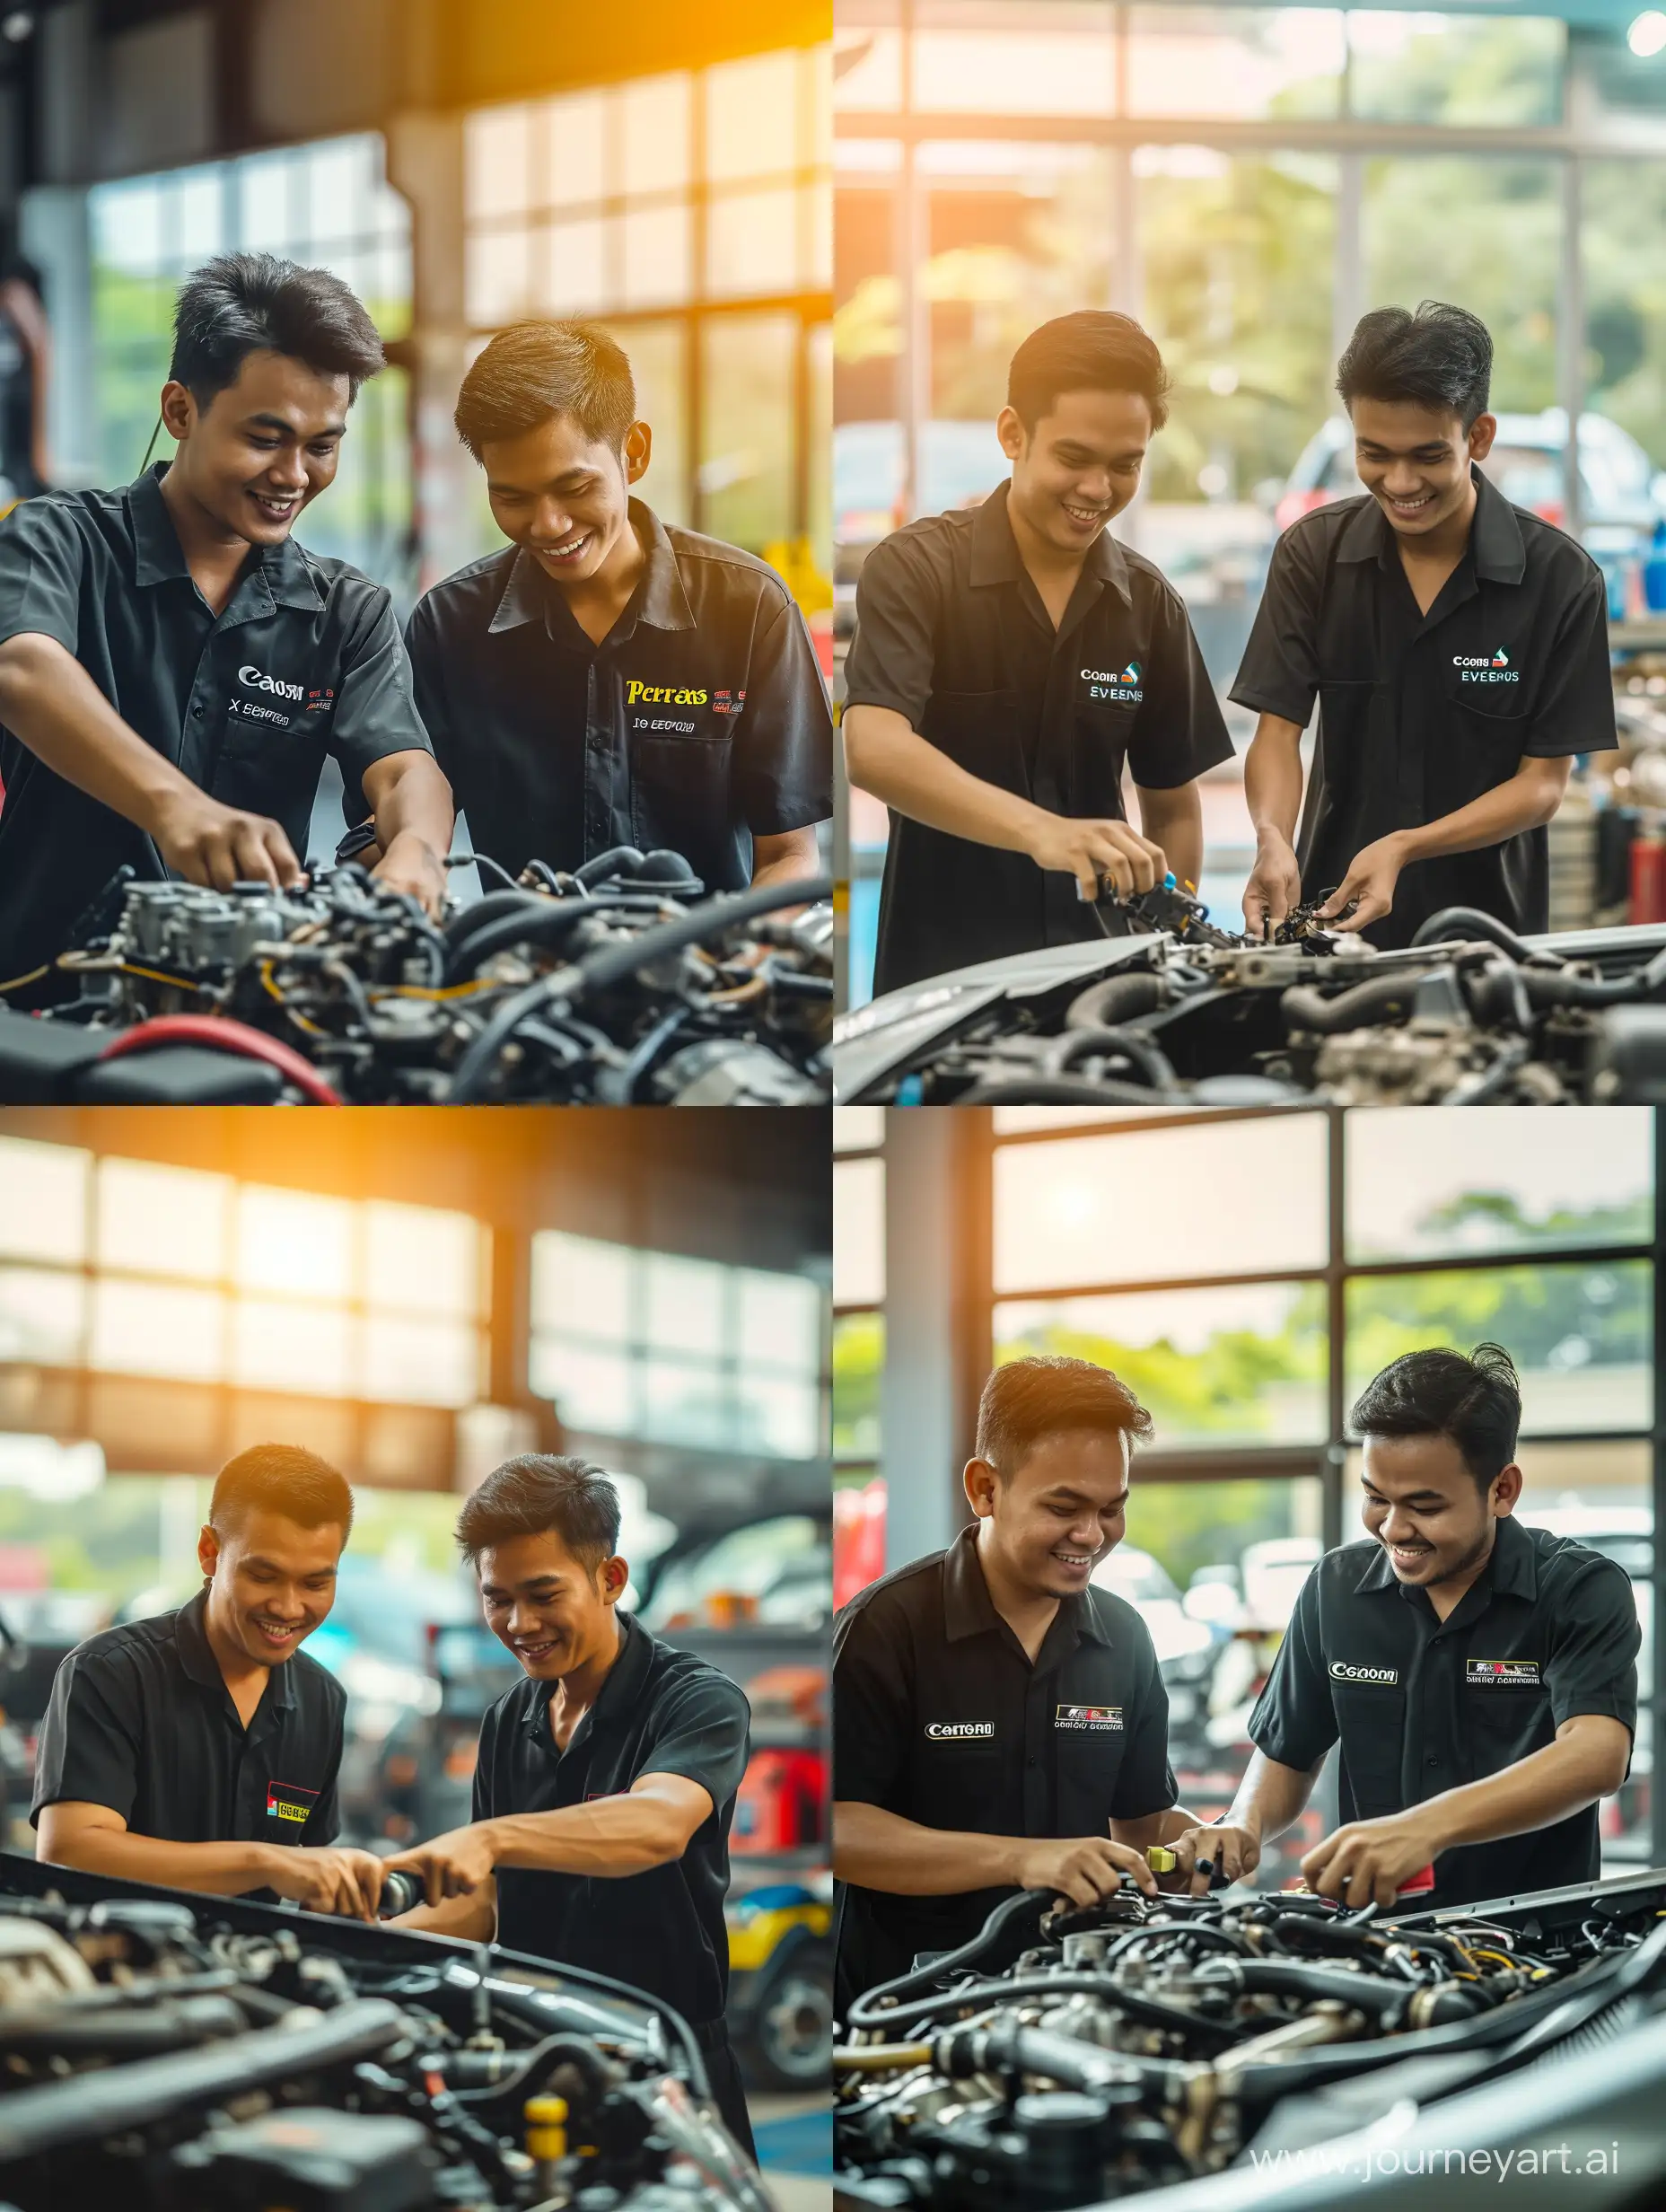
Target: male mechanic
{"x":1011,"y":658}
{"x":1456,"y":646}
{"x":605,"y":1782}
{"x":174,"y":667}
{"x":200,"y":1749}
{"x":999,"y":1721}
{"x":1481,"y":1676}
{"x":607,"y":678}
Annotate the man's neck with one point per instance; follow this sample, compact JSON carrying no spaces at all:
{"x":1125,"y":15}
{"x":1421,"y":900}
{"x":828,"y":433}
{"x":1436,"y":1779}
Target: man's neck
{"x":1029,"y":1614}
{"x":1051,"y":570}
{"x":245,"y":1679}
{"x":214,"y":555}
{"x":1446,"y":1596}
{"x":577,"y":1690}
{"x":1438,"y":551}
{"x":596,"y":603}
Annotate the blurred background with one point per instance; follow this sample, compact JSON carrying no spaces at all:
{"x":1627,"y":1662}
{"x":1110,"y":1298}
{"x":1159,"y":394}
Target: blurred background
{"x":418,"y":1296}
{"x":1247,"y":1274}
{"x":1246,"y":181}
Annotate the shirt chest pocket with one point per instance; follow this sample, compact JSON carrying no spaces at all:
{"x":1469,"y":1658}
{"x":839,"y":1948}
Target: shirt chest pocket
{"x":271,"y":753}
{"x":957,"y":1772}
{"x":1501,"y":1726}
{"x":1371,"y":1722}
{"x":1088,"y":1748}
{"x":1492,"y":689}
{"x":1105,"y":714}
{"x":680,"y":762}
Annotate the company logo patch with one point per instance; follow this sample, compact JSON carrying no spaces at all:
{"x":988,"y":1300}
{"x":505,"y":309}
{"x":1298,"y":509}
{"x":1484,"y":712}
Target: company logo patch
{"x":1111,"y":688}
{"x":1502,"y":1673}
{"x":958,"y":1731}
{"x":1486,"y":667}
{"x":256,"y":680}
{"x":728,"y":702}
{"x":1094,"y":1717}
{"x":319,"y":702}
{"x":664,"y":695}
{"x":1375,"y":1678}
{"x":288,"y":1802}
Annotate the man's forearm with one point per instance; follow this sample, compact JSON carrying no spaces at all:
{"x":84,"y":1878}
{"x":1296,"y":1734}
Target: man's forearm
{"x":1155,"y":1827}
{"x":1174,"y":819}
{"x":1536,"y":1791}
{"x":470,"y":1919}
{"x":1523,"y":803}
{"x":51,"y":703}
{"x":1270,"y":1796}
{"x":414,"y":802}
{"x":879,"y":1850}
{"x":615,"y":1836}
{"x":1273,"y":778}
{"x":792,"y":857}
{"x":214,"y":1869}
{"x":888,"y":758}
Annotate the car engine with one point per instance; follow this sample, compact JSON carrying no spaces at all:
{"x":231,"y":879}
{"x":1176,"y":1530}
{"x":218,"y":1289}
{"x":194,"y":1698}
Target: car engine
{"x":1167,"y":1008}
{"x":618,"y":984}
{"x":170,"y":2053}
{"x":1064,"y":2058}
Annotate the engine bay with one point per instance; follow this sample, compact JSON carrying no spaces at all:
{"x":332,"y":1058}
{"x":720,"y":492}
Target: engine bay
{"x":174,"y":2053}
{"x":616,"y":984}
{"x":1064,"y":2058}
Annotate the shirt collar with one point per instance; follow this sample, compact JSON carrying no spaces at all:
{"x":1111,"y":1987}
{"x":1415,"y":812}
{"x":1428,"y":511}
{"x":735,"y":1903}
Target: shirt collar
{"x":660,"y":598}
{"x":968,"y":1609}
{"x":1511,"y":1571}
{"x":190,"y":1640}
{"x":281,"y":577}
{"x":623,"y":1683}
{"x":1495,"y":545}
{"x":996,"y":557}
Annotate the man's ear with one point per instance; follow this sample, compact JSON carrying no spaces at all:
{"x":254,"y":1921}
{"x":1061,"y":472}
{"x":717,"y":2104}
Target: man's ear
{"x":639,"y":451}
{"x":981,"y":1481}
{"x":1483,"y":430}
{"x":1505,"y":1492}
{"x":207,"y":1550}
{"x":1009,"y":427}
{"x":612,"y":1577}
{"x":179,"y":410}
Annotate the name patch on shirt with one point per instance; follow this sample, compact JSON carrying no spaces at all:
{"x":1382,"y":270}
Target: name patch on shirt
{"x":1485,"y":667}
{"x":1502,"y":1673}
{"x":1095,"y":1717}
{"x":1112,"y":687}
{"x":289,"y":1804}
{"x":958,"y":1731}
{"x":1373,"y":1678}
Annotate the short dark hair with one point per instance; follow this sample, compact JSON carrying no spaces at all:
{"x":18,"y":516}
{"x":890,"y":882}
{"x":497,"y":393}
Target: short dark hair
{"x":241,"y":304}
{"x":1048,"y":1395}
{"x":1092,"y":350}
{"x":543,"y":1493}
{"x":534,"y":370}
{"x":280,"y":1477}
{"x":1475,"y":1401}
{"x":1441,"y":358}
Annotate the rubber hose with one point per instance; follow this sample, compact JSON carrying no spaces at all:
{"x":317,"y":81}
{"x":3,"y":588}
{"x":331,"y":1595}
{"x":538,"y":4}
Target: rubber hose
{"x":1063,"y":1052}
{"x":1381,"y":997}
{"x":1040,"y":1089}
{"x":1367,"y":1993}
{"x":574,"y":2050}
{"x":1004,"y":2049}
{"x":597,"y":970}
{"x":141,"y":2032}
{"x":1152,"y":2010}
{"x":541,"y":921}
{"x":496,"y":903}
{"x":1468,"y":922}
{"x":1115,"y":999}
{"x":867,"y":2011}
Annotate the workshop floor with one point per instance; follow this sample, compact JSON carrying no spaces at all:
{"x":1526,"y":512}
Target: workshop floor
{"x":795,"y":2139}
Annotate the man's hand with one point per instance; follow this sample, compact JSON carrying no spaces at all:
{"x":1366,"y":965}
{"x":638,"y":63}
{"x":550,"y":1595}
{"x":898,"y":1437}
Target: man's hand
{"x":219,"y":846}
{"x":1372,"y":881}
{"x":328,"y":1881}
{"x":1275,"y":884}
{"x":1235,"y":1852}
{"x":411,"y":864}
{"x":1082,"y":1868}
{"x":1367,"y":1860}
{"x":450,"y":1865}
{"x":1093,"y":850}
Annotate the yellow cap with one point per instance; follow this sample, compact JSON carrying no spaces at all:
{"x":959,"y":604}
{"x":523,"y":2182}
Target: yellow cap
{"x":1161,"y":1860}
{"x":546,"y":2126}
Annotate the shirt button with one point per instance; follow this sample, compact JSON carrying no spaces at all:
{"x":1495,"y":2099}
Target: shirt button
{"x":198,"y":713}
{"x":1432,"y":1761}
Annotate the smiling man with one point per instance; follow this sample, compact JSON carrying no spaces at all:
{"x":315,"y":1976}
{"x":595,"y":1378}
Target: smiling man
{"x":609,"y":678}
{"x":1012,"y":659}
{"x":200,"y":1749}
{"x":1480,"y":1676}
{"x":605,"y":1782}
{"x":174,"y":667}
{"x":1457,"y":647}
{"x":1000,"y":1722}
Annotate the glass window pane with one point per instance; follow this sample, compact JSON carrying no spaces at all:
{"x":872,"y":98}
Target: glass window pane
{"x":1244,"y":1364}
{"x":858,"y":1232}
{"x":684,"y":1404}
{"x":497,"y":155}
{"x":162,"y":1220}
{"x":778,"y":1417}
{"x":1235,"y":61}
{"x":1623,"y":252}
{"x":753,"y":116}
{"x":752,"y":243}
{"x":42,"y":1316}
{"x":157,"y":1329}
{"x":858,"y":1364}
{"x":654,"y":133}
{"x":422,"y":1260}
{"x":591,"y":1390}
{"x":495,"y":277}
{"x":659,"y":354}
{"x":685,"y":1303}
{"x":1487,"y":1180}
{"x":1422,"y":66}
{"x":1210,"y":1199}
{"x":43,"y":1201}
{"x":1580,"y":1336}
{"x":747,"y":437}
{"x":857,"y":1127}
{"x":294,"y":1241}
{"x":575,"y":153}
{"x":337,"y":188}
{"x":265,"y":202}
{"x":293,"y":1348}
{"x":199,"y":209}
{"x":581,"y":1287}
{"x":569,"y":263}
{"x":780,"y":1322}
{"x":419,"y":1363}
{"x":867,"y":69}
{"x":655,"y":246}
{"x":1061,"y":63}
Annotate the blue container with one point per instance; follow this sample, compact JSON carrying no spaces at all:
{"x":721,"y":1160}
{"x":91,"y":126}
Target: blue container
{"x":1654,"y":572}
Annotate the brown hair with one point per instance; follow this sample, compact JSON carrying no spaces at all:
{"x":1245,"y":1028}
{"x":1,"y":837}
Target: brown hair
{"x":1047,"y":1395}
{"x":1092,"y":350}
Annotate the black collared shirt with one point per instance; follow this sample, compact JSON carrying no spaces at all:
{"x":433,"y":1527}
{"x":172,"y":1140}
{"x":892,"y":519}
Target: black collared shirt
{"x":140,"y":1720}
{"x":939,"y":1718}
{"x":1418,"y":715}
{"x":658,"y":1711}
{"x":951,"y":633}
{"x":305,"y":661}
{"x":699,"y":723}
{"x":1549,"y":1630}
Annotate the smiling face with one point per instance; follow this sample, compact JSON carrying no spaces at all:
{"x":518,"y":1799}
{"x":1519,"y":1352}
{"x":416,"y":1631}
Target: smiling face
{"x":1078,"y":466}
{"x":1059,"y":1514}
{"x":1415,"y":462}
{"x":564,"y":495}
{"x":272,"y":1582}
{"x":261,"y":450}
{"x":546,"y":1606}
{"x":1435,"y":1521}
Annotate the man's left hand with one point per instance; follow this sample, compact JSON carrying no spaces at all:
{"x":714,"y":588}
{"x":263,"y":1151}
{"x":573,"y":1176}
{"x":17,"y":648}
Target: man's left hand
{"x":409,"y":865}
{"x":1366,"y":1860}
{"x":1370,"y":881}
{"x":453,"y":1865}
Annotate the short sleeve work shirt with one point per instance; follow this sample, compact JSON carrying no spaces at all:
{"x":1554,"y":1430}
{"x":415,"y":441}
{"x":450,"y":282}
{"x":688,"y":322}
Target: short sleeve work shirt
{"x":939,"y":1718}
{"x":1550,"y":1629}
{"x":1418,"y":715}
{"x":305,"y":661}
{"x":658,"y":1711}
{"x":140,"y":1720}
{"x":951,"y":635}
{"x":700,"y":722}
